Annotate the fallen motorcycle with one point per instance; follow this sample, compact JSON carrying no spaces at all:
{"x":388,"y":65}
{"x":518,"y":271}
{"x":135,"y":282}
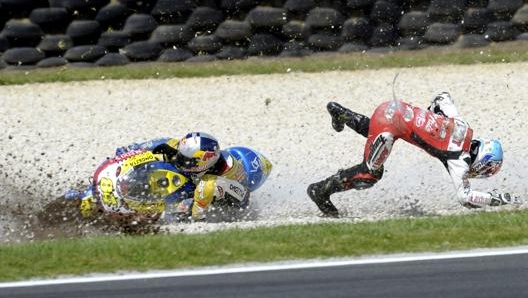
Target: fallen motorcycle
{"x":137,"y":188}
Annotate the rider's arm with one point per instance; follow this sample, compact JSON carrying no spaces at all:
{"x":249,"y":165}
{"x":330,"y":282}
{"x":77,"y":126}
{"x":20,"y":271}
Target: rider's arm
{"x":204,"y":195}
{"x":213,"y":187}
{"x":458,"y":170}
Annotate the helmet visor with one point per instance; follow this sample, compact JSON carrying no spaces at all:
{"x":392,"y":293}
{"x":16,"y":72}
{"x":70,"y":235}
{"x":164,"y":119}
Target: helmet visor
{"x":185,"y":163}
{"x":489,"y":169}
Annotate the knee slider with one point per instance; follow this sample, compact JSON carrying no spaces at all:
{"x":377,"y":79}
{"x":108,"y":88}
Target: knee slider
{"x":367,"y":180}
{"x":362,"y":183}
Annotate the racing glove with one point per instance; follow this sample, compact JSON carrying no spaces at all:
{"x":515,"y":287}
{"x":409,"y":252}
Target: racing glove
{"x":498,"y":199}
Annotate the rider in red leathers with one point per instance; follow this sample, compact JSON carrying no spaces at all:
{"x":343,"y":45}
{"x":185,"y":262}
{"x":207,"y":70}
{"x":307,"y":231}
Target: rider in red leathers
{"x":439,"y":130}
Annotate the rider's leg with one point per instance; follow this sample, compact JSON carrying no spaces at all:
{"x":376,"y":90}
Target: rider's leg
{"x":364,"y":175}
{"x":341,"y":116}
{"x":377,"y":150}
{"x":356,"y":177}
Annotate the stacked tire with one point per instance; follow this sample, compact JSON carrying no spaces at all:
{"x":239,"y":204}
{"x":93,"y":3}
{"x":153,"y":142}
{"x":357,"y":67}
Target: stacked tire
{"x":49,"y":33}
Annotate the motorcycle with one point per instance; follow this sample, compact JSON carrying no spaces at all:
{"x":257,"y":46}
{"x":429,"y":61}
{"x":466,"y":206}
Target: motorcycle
{"x":137,"y":188}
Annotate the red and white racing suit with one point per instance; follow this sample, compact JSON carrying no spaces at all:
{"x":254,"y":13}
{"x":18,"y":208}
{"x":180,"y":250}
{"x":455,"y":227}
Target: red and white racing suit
{"x":447,"y":138}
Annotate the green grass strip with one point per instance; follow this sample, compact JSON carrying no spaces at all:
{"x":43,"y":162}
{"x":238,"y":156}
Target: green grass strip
{"x":495,"y":53}
{"x":295,"y":242}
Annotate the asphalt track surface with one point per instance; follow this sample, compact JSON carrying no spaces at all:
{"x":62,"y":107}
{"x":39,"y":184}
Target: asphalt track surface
{"x":478,"y":274}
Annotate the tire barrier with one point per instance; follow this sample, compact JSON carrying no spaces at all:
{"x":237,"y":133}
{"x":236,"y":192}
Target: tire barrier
{"x":267,"y":19}
{"x":84,"y":32}
{"x":52,"y":20}
{"x":476,"y":20}
{"x":142,"y":51}
{"x":55,"y":45}
{"x":175,"y":55}
{"x":81,"y":9}
{"x":112,"y":16}
{"x":205,"y":44}
{"x":323,"y":18}
{"x":114,"y":40}
{"x":234,"y":32}
{"x":442,"y":33}
{"x":169,"y":36}
{"x":22,"y":33}
{"x":264,"y":44}
{"x":520,"y":19}
{"x":52,"y":62}
{"x":21,"y":8}
{"x":296,"y":31}
{"x":441,"y":11}
{"x":172,"y":11}
{"x":232,"y":53}
{"x":204,"y":19}
{"x":87,"y":33}
{"x":413,"y":23}
{"x":4,"y":44}
{"x":85,"y":53}
{"x":22,"y":56}
{"x":139,"y":26}
{"x":472,"y":41}
{"x":295,"y":49}
{"x":325,"y":42}
{"x":112,"y":59}
{"x":383,"y":35}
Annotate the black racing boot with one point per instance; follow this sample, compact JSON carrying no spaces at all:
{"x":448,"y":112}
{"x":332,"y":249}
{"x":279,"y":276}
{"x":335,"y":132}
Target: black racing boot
{"x":341,"y":116}
{"x":320,"y":193}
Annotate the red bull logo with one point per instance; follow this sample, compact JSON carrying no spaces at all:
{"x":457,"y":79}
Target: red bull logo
{"x":208,"y":155}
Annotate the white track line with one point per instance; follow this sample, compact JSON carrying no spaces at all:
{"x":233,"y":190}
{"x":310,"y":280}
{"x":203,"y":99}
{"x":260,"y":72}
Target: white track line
{"x":241,"y":268}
